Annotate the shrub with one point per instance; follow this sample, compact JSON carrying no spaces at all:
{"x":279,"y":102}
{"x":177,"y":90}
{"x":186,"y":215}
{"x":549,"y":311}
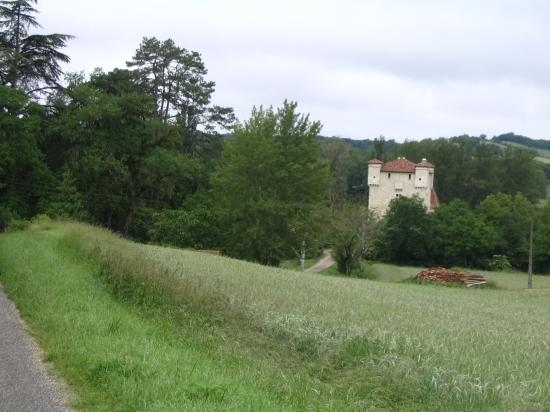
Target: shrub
{"x":5,"y":218}
{"x":17,"y":224}
{"x":498,"y":263}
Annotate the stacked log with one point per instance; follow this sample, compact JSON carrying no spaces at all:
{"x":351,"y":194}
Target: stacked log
{"x":442,"y":275}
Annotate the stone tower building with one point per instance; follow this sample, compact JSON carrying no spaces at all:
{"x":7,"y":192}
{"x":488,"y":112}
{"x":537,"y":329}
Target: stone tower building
{"x":400,"y":177}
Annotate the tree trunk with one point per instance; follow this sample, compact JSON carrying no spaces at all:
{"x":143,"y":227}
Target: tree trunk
{"x":530,"y":270}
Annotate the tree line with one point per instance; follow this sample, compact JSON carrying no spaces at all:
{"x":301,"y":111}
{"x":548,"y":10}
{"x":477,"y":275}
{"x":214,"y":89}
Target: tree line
{"x":493,"y":235}
{"x":144,"y":151}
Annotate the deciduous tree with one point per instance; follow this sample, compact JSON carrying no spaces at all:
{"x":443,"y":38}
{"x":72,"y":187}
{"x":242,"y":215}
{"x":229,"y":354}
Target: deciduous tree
{"x":406,"y":233}
{"x":270,"y":183}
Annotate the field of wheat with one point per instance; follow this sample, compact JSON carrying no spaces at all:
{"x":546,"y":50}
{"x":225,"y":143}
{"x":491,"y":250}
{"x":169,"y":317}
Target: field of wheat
{"x":343,"y":344}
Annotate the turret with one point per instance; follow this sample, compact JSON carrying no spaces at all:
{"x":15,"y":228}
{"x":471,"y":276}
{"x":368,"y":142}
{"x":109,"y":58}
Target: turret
{"x":424,"y":174}
{"x":374,"y":172}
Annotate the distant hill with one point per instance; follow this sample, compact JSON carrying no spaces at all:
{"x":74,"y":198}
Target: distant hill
{"x":542,"y":147}
{"x":365,"y":145}
{"x":538,"y":144}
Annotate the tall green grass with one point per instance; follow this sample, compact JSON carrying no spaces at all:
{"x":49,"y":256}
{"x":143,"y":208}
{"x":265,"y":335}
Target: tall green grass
{"x":184,"y":330}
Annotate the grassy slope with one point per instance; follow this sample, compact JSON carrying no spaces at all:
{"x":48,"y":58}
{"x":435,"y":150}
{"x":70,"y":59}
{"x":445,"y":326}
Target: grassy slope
{"x":118,"y":356}
{"x":243,"y":336}
{"x":543,"y":155}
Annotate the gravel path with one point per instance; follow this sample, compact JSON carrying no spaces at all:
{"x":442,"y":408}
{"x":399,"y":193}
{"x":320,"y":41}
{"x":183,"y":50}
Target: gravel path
{"x":325,"y":262}
{"x":25,"y":385}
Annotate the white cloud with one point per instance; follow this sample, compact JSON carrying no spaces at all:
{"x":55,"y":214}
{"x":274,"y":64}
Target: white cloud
{"x":364,"y":68}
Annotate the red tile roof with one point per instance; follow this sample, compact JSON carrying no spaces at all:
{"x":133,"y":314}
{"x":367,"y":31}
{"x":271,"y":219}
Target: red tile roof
{"x":434,"y":200}
{"x":425,"y":163}
{"x":401,"y":165}
{"x":375,"y":162}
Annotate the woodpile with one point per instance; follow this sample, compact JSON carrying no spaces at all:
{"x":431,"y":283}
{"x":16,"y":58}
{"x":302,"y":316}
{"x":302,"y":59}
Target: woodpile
{"x":442,"y":275}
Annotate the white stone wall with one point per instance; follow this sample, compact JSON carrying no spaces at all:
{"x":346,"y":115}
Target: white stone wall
{"x":386,"y":186}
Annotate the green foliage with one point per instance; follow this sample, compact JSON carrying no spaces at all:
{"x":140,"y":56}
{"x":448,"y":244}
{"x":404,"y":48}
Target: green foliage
{"x":525,"y":141}
{"x":523,"y":175}
{"x":24,"y":178}
{"x":17,"y":224}
{"x":406,"y":234}
{"x":5,"y":218}
{"x":498,"y":263}
{"x":126,"y":163}
{"x":471,"y":168}
{"x":379,"y":148}
{"x":509,"y":216}
{"x":270,"y":184}
{"x":352,"y":232}
{"x":461,"y":237}
{"x":176,"y":79}
{"x":348,"y":170}
{"x":195,"y":225}
{"x":66,"y":201}
{"x":28,"y":61}
{"x":542,"y":239}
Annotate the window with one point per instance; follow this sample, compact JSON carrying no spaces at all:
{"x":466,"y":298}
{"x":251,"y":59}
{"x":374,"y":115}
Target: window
{"x":389,"y":175}
{"x":398,"y":195}
{"x":409,"y":176}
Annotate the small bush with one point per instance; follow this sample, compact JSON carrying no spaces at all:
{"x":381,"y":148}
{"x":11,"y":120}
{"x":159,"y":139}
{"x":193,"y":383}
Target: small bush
{"x":42,"y":221}
{"x":17,"y":224}
{"x":498,"y":263}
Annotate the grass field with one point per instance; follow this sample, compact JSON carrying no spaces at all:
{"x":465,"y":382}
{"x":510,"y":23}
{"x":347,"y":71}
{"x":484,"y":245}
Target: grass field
{"x":502,"y":280}
{"x":135,"y":327}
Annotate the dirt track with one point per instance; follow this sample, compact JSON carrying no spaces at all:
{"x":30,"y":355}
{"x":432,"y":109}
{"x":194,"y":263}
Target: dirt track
{"x":325,"y":262}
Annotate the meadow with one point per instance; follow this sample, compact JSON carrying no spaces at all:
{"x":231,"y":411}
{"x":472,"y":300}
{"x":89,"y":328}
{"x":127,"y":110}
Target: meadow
{"x":136,"y":327}
{"x":511,"y":280}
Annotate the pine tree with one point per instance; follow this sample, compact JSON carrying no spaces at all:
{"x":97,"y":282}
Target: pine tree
{"x":30,"y":62}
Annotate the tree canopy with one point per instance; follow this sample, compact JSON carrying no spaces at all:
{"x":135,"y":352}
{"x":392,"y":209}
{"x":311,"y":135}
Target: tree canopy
{"x":28,"y":61}
{"x":140,"y":150}
{"x":270,"y":183}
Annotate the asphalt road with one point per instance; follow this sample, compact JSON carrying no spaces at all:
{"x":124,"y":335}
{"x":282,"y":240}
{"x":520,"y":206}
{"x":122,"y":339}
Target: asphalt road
{"x":25,"y":384}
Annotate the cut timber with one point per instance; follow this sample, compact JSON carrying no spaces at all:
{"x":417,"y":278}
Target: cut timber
{"x":442,"y":275}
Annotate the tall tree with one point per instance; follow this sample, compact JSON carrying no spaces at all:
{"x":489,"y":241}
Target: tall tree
{"x":379,"y":148}
{"x":406,"y":234}
{"x":24,"y":178}
{"x":176,"y":77}
{"x":125,"y":162}
{"x":354,"y":228}
{"x":338,"y":154}
{"x":270,"y":184}
{"x":462,"y":237}
{"x":509,"y":216}
{"x":28,"y":61}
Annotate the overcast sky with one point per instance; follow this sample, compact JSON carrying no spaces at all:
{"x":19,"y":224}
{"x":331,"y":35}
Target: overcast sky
{"x":398,"y":68}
